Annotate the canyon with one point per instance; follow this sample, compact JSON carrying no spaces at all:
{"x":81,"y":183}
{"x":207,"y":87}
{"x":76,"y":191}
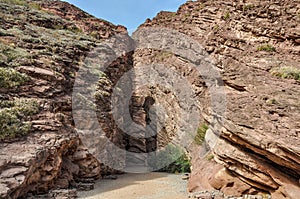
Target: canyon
{"x":82,"y":100}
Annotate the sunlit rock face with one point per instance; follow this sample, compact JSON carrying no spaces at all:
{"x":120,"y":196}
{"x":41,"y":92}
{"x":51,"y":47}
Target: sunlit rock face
{"x":43,"y":45}
{"x":251,"y":43}
{"x":254,"y":139}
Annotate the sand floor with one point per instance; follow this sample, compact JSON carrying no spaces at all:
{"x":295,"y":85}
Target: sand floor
{"x":139,"y":186}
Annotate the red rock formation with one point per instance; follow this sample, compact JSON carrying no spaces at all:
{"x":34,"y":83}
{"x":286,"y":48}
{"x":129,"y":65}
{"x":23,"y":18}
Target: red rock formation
{"x":247,"y":41}
{"x":45,"y":41}
{"x":44,"y":44}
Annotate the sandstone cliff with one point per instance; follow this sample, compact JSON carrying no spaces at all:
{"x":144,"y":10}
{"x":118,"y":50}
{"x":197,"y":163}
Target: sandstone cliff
{"x":254,"y":46}
{"x":251,"y":43}
{"x":42,"y":45}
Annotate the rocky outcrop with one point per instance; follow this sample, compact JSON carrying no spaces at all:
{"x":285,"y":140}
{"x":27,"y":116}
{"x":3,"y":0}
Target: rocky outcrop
{"x":43,"y":44}
{"x":254,"y":146}
{"x":259,"y":137}
{"x":43,"y":162}
{"x":83,"y":21}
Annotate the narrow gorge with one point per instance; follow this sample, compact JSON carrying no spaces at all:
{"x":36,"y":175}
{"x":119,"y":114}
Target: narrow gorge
{"x":81,"y":100}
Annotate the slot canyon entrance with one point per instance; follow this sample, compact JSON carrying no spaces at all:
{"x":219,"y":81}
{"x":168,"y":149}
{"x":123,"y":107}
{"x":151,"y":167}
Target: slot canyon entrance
{"x":127,"y":131}
{"x":148,"y":135}
{"x":144,"y":140}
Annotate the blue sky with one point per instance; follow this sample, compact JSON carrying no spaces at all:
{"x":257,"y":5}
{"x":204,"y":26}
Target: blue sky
{"x":130,"y":13}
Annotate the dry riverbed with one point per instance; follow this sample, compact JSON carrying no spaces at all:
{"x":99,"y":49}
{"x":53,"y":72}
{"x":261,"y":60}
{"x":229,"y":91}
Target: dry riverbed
{"x":139,"y":186}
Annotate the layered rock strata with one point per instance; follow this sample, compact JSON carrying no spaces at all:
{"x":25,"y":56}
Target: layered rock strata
{"x":259,"y":138}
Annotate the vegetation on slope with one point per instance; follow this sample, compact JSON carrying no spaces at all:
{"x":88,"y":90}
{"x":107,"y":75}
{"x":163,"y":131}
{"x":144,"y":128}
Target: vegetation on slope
{"x":266,"y":47}
{"x":13,"y":116}
{"x":200,"y":136}
{"x":10,"y":78}
{"x":22,"y":3}
{"x":286,"y":72}
{"x":171,"y":159}
{"x":16,"y":2}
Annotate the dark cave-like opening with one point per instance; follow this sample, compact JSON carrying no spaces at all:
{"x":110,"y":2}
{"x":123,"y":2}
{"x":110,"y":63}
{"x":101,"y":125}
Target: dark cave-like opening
{"x":138,"y":144}
{"x":151,"y":128}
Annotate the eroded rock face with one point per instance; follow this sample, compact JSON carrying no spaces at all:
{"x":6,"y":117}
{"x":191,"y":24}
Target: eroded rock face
{"x":45,"y":162}
{"x":258,"y":150}
{"x":46,"y":42}
{"x":259,"y":139}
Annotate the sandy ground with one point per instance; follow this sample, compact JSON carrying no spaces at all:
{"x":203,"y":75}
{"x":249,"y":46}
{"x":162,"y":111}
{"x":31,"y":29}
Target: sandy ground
{"x":139,"y":186}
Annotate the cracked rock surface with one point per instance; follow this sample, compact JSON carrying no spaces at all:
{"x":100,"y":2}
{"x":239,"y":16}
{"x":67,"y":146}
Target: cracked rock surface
{"x":259,"y":138}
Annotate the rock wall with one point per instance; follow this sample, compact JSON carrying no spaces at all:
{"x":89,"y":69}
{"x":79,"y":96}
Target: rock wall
{"x":259,"y":138}
{"x":44,"y":43}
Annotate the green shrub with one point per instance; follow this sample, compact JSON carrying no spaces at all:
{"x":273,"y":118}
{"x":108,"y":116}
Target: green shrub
{"x":75,"y":29}
{"x":95,"y":34}
{"x":11,"y":126}
{"x":23,"y":107}
{"x":12,"y":53}
{"x":187,"y":15}
{"x":247,"y":7}
{"x":200,"y":7}
{"x":26,"y":107}
{"x":286,"y":72}
{"x":171,"y":159}
{"x":272,"y":101}
{"x":266,"y":47}
{"x":10,"y":78}
{"x":210,"y":157}
{"x":216,"y":28}
{"x":266,"y":196}
{"x":181,"y":165}
{"x":58,"y":26}
{"x":83,"y":101}
{"x":200,"y":136}
{"x":226,"y":15}
{"x":164,"y":55}
{"x":170,"y":15}
{"x":16,"y":2}
{"x":32,"y":5}
{"x":101,"y":95}
{"x":35,"y":6}
{"x":13,"y":115}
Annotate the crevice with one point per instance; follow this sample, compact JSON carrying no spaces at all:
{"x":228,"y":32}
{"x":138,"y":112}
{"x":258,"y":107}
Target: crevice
{"x":234,"y":86}
{"x":250,"y":151}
